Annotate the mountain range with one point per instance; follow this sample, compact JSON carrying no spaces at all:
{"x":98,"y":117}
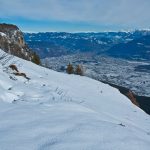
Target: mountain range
{"x":129,"y":45}
{"x":137,"y":49}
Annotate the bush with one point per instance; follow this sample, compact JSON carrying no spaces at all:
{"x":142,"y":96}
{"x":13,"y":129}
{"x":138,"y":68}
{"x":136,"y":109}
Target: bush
{"x":79,"y":70}
{"x":70,"y":69}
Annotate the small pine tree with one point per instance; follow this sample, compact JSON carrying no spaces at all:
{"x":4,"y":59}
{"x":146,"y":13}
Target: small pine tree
{"x":70,"y":69}
{"x":35,"y":59}
{"x":79,"y":70}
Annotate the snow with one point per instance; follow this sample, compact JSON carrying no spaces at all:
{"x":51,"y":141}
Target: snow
{"x":66,"y":112}
{"x":2,"y":34}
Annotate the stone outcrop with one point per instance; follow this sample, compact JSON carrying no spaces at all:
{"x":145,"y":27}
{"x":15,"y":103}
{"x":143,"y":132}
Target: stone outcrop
{"x":12,"y":41}
{"x":133,"y":99}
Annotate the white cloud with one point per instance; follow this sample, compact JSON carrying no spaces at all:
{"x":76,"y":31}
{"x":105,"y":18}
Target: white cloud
{"x":123,"y":12}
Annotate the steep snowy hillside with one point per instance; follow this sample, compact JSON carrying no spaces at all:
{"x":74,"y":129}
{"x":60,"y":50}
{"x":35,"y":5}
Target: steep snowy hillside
{"x":56,"y":111}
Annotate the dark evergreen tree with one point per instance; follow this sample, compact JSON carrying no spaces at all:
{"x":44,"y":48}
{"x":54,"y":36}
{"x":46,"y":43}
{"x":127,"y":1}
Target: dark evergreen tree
{"x":36,"y":59}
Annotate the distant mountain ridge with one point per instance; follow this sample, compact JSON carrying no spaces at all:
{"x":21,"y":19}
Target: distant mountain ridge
{"x":138,"y":49}
{"x":53,"y":44}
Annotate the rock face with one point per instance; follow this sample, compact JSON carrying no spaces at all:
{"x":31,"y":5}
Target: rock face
{"x":12,"y":41}
{"x":133,"y":99}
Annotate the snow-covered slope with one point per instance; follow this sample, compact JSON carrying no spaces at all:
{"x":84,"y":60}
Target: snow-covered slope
{"x":56,"y":111}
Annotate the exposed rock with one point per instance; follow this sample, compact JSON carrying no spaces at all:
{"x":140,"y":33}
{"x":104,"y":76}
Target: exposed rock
{"x":131,"y":96}
{"x":12,"y":41}
{"x":14,"y":67}
{"x":17,"y":73}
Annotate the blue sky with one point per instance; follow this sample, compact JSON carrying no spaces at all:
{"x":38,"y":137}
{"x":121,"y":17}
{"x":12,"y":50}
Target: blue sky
{"x":76,"y":15}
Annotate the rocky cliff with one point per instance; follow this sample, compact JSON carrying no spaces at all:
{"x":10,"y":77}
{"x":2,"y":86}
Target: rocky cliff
{"x":12,"y":41}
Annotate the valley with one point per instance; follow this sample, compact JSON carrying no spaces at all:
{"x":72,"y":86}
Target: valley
{"x":117,"y":71}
